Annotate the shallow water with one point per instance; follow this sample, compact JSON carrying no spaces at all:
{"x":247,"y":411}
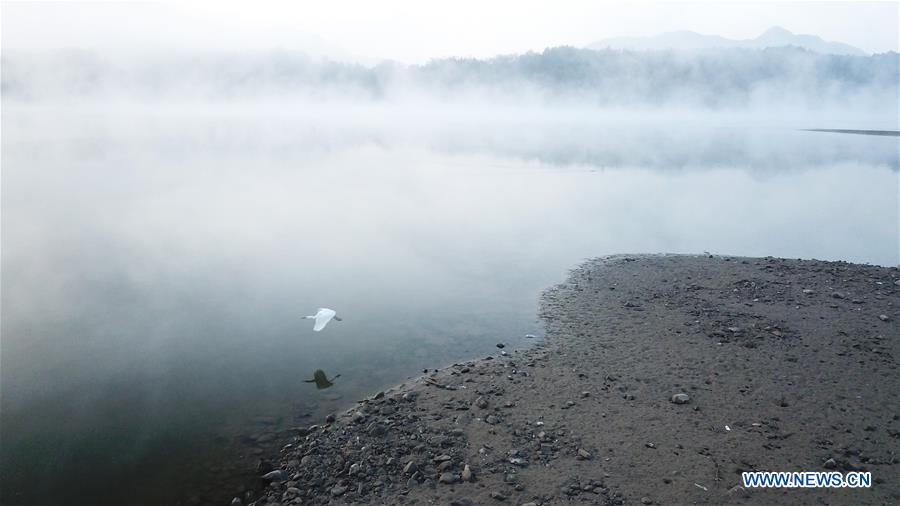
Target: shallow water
{"x":156,"y":264}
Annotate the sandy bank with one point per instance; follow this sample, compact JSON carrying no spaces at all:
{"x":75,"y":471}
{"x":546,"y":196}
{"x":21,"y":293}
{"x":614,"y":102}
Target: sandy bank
{"x":788,"y":365}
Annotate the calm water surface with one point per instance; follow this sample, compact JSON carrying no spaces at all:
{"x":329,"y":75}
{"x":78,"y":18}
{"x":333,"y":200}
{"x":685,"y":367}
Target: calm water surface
{"x":156,"y":264}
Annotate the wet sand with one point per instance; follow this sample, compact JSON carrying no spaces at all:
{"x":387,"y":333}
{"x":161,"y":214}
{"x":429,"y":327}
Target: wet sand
{"x":788,"y":365}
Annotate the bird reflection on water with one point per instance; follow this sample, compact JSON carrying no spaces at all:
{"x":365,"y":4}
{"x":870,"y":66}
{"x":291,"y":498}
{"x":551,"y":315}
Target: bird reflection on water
{"x":321,"y":380}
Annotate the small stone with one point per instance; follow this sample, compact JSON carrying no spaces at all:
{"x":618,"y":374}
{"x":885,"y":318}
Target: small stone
{"x":263,"y":466}
{"x":501,"y":345}
{"x":481,"y":402}
{"x":837,"y":295}
{"x":498,"y":496}
{"x":681,"y":398}
{"x":338,"y":491}
{"x":738,"y":491}
{"x":883,"y":317}
{"x":830,"y":464}
{"x":584,"y":454}
{"x":443,"y":466}
{"x":585,"y":394}
{"x":646,"y":500}
{"x":330,"y":418}
{"x":807,"y":291}
{"x":237,"y":502}
{"x":442,"y":458}
{"x":492,"y":420}
{"x":518,"y":461}
{"x":532,"y":336}
{"x":448,"y":478}
{"x":387,"y":410}
{"x":466,"y":473}
{"x":410,"y":468}
{"x":276,"y":475}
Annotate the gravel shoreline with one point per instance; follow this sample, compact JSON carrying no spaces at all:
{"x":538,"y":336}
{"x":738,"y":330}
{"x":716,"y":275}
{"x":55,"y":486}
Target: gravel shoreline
{"x":660,"y":380}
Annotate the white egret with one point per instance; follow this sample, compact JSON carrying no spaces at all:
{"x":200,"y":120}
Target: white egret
{"x":322,"y":318}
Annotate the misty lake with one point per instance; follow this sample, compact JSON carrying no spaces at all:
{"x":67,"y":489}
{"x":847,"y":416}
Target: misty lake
{"x":156,"y":264}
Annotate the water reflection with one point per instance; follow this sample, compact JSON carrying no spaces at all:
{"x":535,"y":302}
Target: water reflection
{"x":321,"y":381}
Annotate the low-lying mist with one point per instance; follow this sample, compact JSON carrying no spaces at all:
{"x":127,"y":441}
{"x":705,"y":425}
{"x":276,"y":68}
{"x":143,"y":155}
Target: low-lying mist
{"x":720,"y":79}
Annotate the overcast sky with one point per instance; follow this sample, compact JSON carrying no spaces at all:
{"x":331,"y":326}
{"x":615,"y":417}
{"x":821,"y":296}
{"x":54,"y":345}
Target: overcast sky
{"x":413,"y":31}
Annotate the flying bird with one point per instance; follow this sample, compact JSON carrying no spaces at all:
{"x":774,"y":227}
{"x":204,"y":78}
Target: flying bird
{"x":322,"y":318}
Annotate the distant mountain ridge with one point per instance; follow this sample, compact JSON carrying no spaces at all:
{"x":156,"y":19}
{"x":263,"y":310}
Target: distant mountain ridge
{"x":687,"y":40}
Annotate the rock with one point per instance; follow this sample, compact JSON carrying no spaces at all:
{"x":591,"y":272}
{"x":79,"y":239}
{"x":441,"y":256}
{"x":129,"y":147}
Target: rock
{"x":646,"y":500}
{"x":306,"y":460}
{"x":585,"y":394}
{"x":518,"y":461}
{"x":491,"y":419}
{"x":448,"y":478}
{"x":237,"y":502}
{"x":387,"y":410}
{"x":276,"y":475}
{"x":358,"y":417}
{"x":338,"y":490}
{"x":443,"y":466}
{"x":330,"y":418}
{"x":410,"y":468}
{"x":501,"y":345}
{"x":738,"y":491}
{"x":498,"y":496}
{"x":466,"y":473}
{"x":353,"y":469}
{"x":830,"y":464}
{"x":443,"y":458}
{"x":681,"y":398}
{"x":481,"y":402}
{"x":584,"y":454}
{"x":884,"y":317}
{"x":532,"y":336}
{"x":808,"y":291}
{"x":263,"y":466}
{"x":837,"y":295}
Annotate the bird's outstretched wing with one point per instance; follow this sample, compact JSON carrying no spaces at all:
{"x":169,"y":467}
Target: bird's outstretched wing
{"x":323,"y":317}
